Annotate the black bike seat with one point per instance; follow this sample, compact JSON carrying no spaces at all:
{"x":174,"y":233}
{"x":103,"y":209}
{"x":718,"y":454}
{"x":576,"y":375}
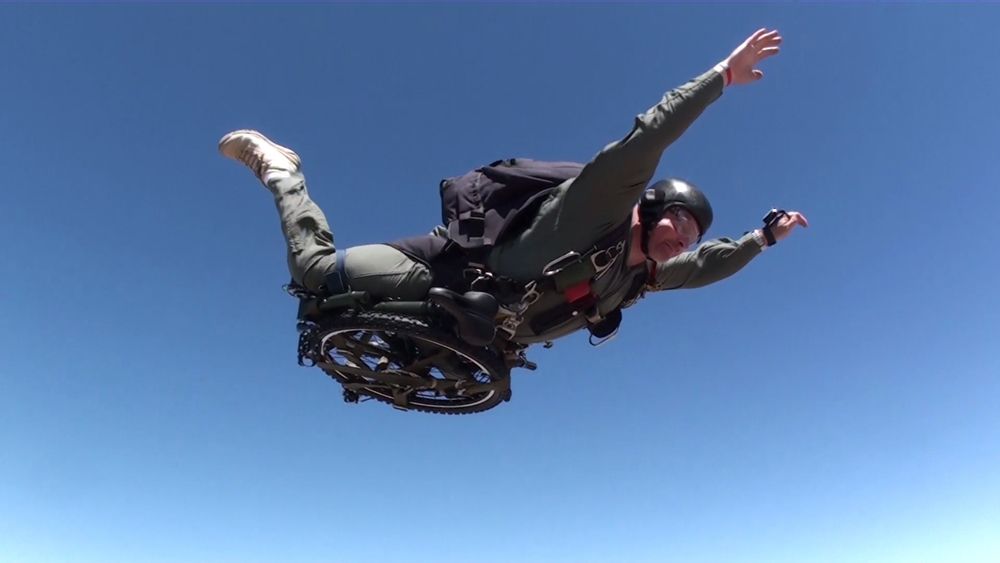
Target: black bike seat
{"x":474,"y":312}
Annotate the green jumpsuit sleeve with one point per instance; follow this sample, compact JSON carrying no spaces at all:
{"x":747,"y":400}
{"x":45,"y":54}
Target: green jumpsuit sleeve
{"x":711,"y":262}
{"x":589,"y":207}
{"x":611,"y":183}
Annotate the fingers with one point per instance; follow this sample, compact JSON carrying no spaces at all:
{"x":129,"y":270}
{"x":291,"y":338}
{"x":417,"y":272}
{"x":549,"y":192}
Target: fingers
{"x":765,"y":41}
{"x":766,"y":45}
{"x":794,"y":218}
{"x":770,"y":36}
{"x":761,"y":45}
{"x":757,"y":35}
{"x":768,"y":52}
{"x":763,"y":38}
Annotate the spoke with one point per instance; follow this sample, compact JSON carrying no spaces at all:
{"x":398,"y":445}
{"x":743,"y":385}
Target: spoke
{"x":476,"y":389}
{"x":367,"y":347}
{"x":427,"y":361}
{"x":363,"y":347}
{"x":355,"y":359}
{"x":391,"y":378}
{"x":456,"y":368}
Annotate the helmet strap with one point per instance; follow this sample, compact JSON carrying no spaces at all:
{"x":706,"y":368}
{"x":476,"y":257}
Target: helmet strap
{"x":647,"y":229}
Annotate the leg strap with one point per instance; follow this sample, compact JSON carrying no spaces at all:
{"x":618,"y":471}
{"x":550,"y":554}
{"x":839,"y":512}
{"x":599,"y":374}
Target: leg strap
{"x":336,"y":280}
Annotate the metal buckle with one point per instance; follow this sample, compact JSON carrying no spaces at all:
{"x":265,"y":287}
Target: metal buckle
{"x":516,"y":316}
{"x":478,"y":280}
{"x":531,"y":296}
{"x":611,"y":254}
{"x":557,"y":265}
{"x":509,"y":326}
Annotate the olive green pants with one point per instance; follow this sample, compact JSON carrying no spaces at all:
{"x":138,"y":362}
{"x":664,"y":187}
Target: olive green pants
{"x":378,"y":269}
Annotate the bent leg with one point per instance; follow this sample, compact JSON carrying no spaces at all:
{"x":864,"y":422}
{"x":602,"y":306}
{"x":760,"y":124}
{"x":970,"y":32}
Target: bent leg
{"x":311,"y":250}
{"x":379,"y":269}
{"x":385,"y":272}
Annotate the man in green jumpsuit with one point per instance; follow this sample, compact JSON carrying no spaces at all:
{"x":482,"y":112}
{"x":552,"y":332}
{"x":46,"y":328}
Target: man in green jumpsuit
{"x":579,"y":212}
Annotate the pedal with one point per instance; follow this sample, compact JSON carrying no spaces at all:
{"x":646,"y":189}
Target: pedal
{"x":306,"y":352}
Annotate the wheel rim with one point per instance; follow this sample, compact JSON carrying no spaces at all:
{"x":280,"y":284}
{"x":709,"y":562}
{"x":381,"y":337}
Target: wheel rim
{"x":383,"y":353}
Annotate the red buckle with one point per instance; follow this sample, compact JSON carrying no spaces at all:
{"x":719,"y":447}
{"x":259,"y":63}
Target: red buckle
{"x":578,"y":292}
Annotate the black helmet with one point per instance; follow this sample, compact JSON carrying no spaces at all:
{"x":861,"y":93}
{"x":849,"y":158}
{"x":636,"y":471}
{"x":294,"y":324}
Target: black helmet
{"x":672,"y":192}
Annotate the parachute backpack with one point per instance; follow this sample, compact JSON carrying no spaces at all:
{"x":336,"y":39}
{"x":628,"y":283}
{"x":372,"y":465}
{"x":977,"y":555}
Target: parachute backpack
{"x":481,"y":206}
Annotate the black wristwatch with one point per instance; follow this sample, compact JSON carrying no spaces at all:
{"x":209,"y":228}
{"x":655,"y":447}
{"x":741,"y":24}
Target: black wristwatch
{"x":772,"y":217}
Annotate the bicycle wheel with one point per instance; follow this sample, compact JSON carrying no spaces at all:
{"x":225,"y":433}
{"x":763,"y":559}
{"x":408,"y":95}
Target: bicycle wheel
{"x":406,"y":362}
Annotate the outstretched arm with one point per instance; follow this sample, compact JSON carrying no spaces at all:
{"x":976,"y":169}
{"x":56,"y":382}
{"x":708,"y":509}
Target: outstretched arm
{"x":718,"y":259}
{"x":611,"y":183}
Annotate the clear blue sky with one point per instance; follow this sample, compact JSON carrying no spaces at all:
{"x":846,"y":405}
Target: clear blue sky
{"x":837,"y":401}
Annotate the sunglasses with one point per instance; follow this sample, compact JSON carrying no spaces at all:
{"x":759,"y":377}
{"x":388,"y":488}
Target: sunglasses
{"x":686,"y":225}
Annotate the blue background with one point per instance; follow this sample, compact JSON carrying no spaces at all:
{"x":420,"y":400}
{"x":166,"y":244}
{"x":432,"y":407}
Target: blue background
{"x":836,"y":401}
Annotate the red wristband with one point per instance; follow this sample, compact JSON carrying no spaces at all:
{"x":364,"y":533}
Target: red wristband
{"x":729,"y":76}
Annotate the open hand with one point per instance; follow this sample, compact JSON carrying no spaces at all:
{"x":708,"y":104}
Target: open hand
{"x":762,"y":44}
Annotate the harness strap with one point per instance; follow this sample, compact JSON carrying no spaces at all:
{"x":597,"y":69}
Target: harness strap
{"x":572,"y":276}
{"x":336,"y":281}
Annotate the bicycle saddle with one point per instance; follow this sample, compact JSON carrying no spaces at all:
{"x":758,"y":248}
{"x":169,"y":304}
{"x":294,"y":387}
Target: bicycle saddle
{"x":474,"y":313}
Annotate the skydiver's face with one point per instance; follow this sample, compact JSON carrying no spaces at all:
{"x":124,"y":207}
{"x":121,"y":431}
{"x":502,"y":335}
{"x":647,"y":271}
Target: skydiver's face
{"x":676,"y":232}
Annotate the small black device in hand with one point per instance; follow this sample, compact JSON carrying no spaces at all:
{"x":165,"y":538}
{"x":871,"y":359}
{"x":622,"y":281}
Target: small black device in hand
{"x":772,"y":217}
